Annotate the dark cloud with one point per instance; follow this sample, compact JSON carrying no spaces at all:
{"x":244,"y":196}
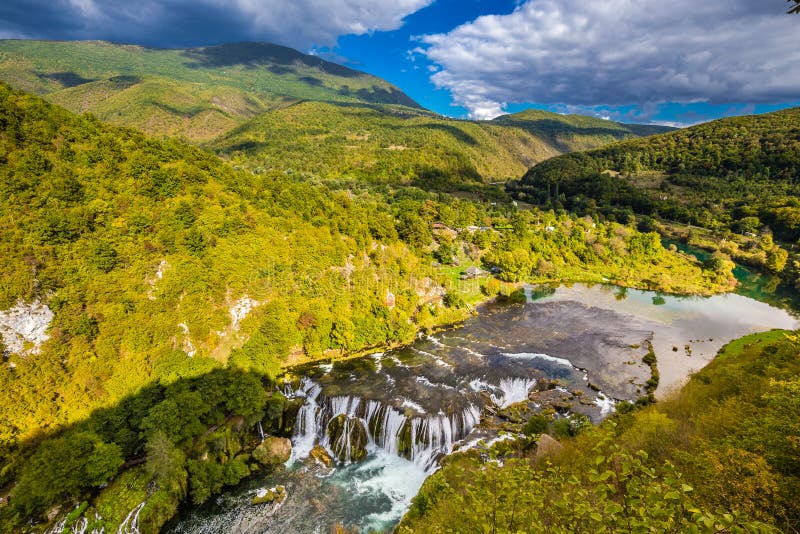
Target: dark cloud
{"x":620,"y":52}
{"x":303,"y":24}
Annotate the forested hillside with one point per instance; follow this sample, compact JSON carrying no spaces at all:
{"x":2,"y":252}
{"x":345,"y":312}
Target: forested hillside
{"x":401,"y":145}
{"x":739,"y":174}
{"x":569,"y":133}
{"x":130,"y":263}
{"x":721,"y":456}
{"x":277,"y":108}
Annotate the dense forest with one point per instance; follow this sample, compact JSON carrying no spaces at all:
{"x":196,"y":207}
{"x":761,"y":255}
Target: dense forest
{"x":151,"y":267}
{"x":186,"y":233}
{"x":719,"y":456}
{"x":402,"y":145}
{"x":737,"y":177}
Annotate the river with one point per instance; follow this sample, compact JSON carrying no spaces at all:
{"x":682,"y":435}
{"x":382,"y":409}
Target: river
{"x":577,"y":348}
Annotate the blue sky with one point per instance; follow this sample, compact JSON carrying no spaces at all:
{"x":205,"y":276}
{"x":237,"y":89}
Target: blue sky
{"x":679,"y":62}
{"x":388,"y":54}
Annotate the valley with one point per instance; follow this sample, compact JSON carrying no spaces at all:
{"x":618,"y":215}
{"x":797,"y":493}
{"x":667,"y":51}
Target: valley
{"x":245,"y":288}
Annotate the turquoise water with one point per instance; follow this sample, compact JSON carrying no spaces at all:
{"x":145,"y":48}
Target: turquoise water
{"x":759,"y":286}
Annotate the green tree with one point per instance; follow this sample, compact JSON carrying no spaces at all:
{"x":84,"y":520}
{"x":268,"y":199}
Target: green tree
{"x":414,"y":230}
{"x":165,"y":463}
{"x":64,"y":467}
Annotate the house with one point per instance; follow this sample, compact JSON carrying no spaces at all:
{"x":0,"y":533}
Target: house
{"x":472,"y":272}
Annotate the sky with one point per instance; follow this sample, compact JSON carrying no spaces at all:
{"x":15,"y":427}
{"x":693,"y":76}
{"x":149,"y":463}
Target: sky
{"x":678,"y":62}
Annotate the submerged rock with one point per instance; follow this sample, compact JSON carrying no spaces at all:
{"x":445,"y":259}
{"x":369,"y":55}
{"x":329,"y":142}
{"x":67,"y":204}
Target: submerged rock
{"x":273,"y":451}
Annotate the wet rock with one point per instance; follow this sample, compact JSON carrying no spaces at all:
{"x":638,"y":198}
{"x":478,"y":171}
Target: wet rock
{"x":319,"y":454}
{"x":554,"y":398}
{"x":348,"y":438}
{"x":271,"y":495}
{"x":273,"y":451}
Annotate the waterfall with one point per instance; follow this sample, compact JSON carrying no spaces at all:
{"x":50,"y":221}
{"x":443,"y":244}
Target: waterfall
{"x":131,"y":523}
{"x":606,"y":404}
{"x":434,"y":436}
{"x":261,"y":431}
{"x":528,"y":292}
{"x":513,"y":390}
{"x":347,"y":425}
{"x":305,"y":433}
{"x":80,"y":526}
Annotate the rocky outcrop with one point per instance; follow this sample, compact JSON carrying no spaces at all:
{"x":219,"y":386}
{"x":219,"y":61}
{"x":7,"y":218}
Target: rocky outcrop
{"x":24,"y":327}
{"x":273,"y":451}
{"x":271,"y":495}
{"x":320,"y":455}
{"x":241,"y":309}
{"x":348,"y":438}
{"x":547,"y":446}
{"x":188,"y":346}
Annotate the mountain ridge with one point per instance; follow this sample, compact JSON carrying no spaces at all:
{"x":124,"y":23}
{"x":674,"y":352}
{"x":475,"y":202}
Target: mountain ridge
{"x":398,"y":144}
{"x":203,"y":94}
{"x":83,"y":76}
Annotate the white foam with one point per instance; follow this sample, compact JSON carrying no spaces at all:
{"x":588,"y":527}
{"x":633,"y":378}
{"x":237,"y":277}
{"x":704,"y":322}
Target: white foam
{"x":537,"y":356}
{"x":408,"y":403}
{"x":479,"y":385}
{"x":606,"y":404}
{"x":513,"y":390}
{"x":425,"y":382}
{"x":392,"y":476}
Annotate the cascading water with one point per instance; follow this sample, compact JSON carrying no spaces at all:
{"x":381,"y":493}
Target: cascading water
{"x":306,"y":426}
{"x":131,"y":523}
{"x":513,"y":390}
{"x":420,"y":438}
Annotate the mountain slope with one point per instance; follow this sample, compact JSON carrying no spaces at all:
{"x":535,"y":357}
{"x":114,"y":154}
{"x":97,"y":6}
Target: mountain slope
{"x":196,"y":93}
{"x":737,"y":174}
{"x":205,"y":94}
{"x":569,"y":133}
{"x":399,"y":144}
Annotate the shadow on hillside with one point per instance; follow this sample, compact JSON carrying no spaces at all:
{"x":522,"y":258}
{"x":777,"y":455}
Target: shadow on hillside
{"x":256,"y":55}
{"x":66,"y":79}
{"x":379,"y":95}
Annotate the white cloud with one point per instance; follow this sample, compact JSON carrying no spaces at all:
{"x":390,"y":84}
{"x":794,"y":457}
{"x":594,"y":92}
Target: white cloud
{"x":618,"y":52}
{"x":86,"y":8}
{"x":305,"y":23}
